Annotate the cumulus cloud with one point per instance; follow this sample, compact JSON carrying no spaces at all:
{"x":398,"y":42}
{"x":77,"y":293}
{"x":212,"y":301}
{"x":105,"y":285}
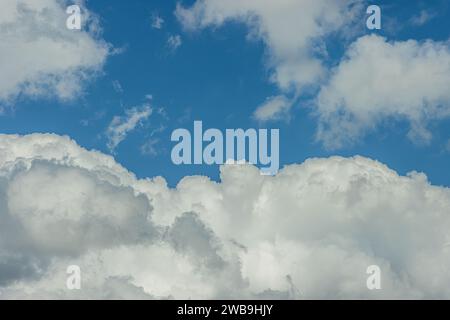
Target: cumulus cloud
{"x":308,"y":232}
{"x":39,"y":56}
{"x":380,"y":79}
{"x":293,"y":31}
{"x":120,"y":126}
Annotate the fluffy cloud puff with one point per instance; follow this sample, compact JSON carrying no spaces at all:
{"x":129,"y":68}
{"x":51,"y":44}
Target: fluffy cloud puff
{"x":309,"y":232}
{"x":40,"y":56}
{"x":378,"y":80}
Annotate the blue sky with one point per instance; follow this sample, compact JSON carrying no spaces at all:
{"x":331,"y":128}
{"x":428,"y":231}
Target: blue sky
{"x":219,"y":76}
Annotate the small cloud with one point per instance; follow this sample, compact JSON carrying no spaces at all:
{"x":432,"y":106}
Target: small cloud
{"x":274,"y":108}
{"x":119,"y":50}
{"x":173,"y":42}
{"x":158,"y":129}
{"x":157,"y":22}
{"x":422,"y":18}
{"x":120,"y":126}
{"x":117,"y":86}
{"x":149,"y":147}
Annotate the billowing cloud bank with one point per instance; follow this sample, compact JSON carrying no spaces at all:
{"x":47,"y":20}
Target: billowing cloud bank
{"x":309,"y":232}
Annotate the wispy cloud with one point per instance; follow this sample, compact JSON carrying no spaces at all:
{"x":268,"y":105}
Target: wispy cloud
{"x":173,"y":42}
{"x":117,"y":86}
{"x":120,"y":126}
{"x":422,"y":18}
{"x":149,"y":148}
{"x":274,"y":108}
{"x":157,"y":22}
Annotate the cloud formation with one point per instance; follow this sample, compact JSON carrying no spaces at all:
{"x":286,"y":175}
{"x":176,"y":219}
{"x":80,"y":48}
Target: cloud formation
{"x":380,"y":79}
{"x":309,"y":232}
{"x":294,"y":32}
{"x":274,"y":108}
{"x":120,"y":126}
{"x":157,"y":22}
{"x":174,"y":41}
{"x":39,"y":56}
{"x":375,"y":81}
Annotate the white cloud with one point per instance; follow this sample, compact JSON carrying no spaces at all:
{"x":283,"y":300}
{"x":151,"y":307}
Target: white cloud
{"x":173,"y":42}
{"x":309,"y":232}
{"x":157,"y":22}
{"x":273,"y":108}
{"x":375,"y":81}
{"x":39,"y":56}
{"x":294,"y":32}
{"x":120,"y":126}
{"x":378,"y":80}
